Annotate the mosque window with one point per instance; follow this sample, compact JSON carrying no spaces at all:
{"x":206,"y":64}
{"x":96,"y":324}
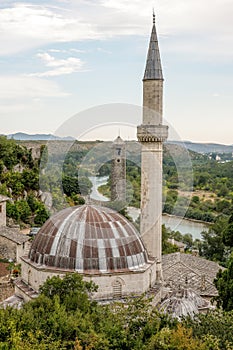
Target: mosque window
{"x":117,"y":289}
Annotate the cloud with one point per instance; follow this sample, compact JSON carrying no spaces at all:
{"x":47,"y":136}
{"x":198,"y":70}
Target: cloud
{"x":20,"y":87}
{"x":99,"y":49}
{"x":77,"y":51}
{"x":27,"y":25}
{"x":19,"y":94}
{"x":59,"y":66}
{"x":191,"y":25}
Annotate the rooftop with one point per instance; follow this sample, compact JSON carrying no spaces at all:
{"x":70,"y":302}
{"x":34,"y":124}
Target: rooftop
{"x":3,"y":198}
{"x":197,"y":272}
{"x":183,"y":302}
{"x":89,"y":239}
{"x":13,"y":234}
{"x":153,"y":69}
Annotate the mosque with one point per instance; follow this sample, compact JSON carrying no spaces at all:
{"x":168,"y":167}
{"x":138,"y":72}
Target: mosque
{"x":98,"y":242}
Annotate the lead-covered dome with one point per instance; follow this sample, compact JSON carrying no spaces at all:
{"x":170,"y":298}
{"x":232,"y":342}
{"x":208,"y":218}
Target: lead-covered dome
{"x":88,"y":239}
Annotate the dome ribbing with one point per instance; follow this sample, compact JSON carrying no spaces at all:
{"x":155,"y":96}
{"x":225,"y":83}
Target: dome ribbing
{"x":88,"y":239}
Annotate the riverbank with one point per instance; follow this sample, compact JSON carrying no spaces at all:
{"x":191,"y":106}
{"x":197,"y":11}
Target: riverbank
{"x":187,"y":219}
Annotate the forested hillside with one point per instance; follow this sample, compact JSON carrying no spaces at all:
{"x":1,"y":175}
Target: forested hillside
{"x":19,"y":180}
{"x":24,"y":180}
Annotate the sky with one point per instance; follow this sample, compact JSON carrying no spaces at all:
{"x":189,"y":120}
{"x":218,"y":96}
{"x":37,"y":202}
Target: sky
{"x":59,"y":58}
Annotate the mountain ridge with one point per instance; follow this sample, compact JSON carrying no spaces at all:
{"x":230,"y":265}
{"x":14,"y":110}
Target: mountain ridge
{"x":21,"y":136}
{"x":199,"y":147}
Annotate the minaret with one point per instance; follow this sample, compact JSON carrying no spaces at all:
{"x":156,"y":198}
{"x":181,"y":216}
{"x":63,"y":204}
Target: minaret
{"x":151,"y":134}
{"x":118,"y":175}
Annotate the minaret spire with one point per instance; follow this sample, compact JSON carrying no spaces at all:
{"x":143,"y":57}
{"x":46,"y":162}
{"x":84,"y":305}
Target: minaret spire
{"x":153,"y":16}
{"x":153,"y":69}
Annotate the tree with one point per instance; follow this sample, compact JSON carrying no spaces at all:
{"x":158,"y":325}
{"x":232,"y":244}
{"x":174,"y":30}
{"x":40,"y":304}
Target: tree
{"x":24,"y":210}
{"x":85,"y":185}
{"x":228,"y":233}
{"x":41,"y":215}
{"x":72,"y":291}
{"x":167,"y":248}
{"x":177,"y":339}
{"x":212,"y":246}
{"x":188,"y":240}
{"x":215,"y":328}
{"x":224,"y":285}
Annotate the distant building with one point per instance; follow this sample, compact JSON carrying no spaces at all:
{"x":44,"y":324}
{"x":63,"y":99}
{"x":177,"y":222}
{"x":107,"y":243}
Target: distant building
{"x":118,"y":171}
{"x":3,"y":200}
{"x":180,"y":245}
{"x":13,"y":244}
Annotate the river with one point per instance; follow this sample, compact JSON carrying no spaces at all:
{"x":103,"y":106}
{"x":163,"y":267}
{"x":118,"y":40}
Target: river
{"x":176,"y":223}
{"x":173,"y":222}
{"x":97,"y":182}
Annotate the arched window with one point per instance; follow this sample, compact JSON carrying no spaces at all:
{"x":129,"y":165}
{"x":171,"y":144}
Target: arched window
{"x":117,"y":289}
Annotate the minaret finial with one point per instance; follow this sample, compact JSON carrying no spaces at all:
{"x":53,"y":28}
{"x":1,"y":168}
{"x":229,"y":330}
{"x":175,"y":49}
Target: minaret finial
{"x":153,"y":16}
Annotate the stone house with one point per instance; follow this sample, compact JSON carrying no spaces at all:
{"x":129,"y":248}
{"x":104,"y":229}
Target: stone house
{"x":13,"y":244}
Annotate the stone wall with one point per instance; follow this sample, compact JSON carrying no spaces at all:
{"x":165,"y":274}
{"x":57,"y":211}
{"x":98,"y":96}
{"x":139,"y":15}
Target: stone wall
{"x":152,"y":102}
{"x":2,"y":213}
{"x":132,"y":282}
{"x":22,"y":249}
{"x":6,"y":290}
{"x":8,"y":249}
{"x":11,"y":250}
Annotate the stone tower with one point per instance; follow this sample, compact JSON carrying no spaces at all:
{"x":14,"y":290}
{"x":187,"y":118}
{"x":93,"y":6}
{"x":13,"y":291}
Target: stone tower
{"x":151,"y":134}
{"x":118,"y":186}
{"x":3,"y":200}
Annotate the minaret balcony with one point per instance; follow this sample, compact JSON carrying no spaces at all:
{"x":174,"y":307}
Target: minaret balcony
{"x":152,"y":133}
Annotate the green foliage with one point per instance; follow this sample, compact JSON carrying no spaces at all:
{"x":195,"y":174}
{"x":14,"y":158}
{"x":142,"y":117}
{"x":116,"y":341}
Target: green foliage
{"x":177,"y":339}
{"x":76,"y":185}
{"x":43,"y":156}
{"x":167,"y":248}
{"x":41,"y":215}
{"x":76,"y":199}
{"x":215,"y":328}
{"x":12,"y":154}
{"x":212,"y":246}
{"x":224,"y":285}
{"x":64,"y":317}
{"x":72,"y":291}
{"x":228,"y":235}
{"x":19,"y":211}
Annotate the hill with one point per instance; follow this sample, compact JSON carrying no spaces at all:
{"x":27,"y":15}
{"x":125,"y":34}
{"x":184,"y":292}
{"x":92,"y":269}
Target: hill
{"x":198,"y":147}
{"x":204,"y":147}
{"x":37,"y":137}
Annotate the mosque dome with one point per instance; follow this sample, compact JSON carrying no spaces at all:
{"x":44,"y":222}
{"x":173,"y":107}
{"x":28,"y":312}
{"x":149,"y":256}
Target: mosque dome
{"x":183,"y":302}
{"x":88,"y":239}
